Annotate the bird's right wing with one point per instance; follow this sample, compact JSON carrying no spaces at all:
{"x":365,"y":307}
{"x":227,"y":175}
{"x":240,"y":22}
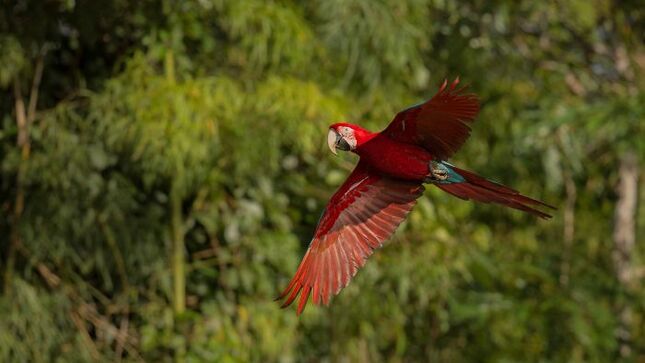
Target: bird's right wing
{"x":361,"y":215}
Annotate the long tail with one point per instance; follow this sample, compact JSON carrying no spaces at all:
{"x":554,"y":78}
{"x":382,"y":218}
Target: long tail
{"x":468,"y":185}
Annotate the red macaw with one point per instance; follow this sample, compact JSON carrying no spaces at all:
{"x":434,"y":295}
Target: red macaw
{"x":380,"y":192}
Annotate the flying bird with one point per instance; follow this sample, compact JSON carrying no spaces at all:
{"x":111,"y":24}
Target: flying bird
{"x":385,"y":184}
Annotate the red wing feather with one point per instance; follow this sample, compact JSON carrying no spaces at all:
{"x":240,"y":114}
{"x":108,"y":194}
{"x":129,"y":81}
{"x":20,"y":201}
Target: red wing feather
{"x":441,"y":125}
{"x":361,"y":215}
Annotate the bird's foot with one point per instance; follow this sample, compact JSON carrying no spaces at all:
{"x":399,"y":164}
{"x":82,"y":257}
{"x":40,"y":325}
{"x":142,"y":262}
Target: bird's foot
{"x":438,"y":172}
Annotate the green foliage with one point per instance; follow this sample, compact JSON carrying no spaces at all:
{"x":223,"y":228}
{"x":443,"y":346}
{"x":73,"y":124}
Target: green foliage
{"x":223,"y":107}
{"x":12,"y":59}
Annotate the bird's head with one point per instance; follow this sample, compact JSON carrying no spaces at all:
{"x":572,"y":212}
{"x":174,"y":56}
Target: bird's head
{"x":346,"y":137}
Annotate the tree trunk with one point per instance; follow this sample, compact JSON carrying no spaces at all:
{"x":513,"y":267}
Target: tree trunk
{"x":624,"y":241}
{"x":177,"y":255}
{"x":178,"y":258}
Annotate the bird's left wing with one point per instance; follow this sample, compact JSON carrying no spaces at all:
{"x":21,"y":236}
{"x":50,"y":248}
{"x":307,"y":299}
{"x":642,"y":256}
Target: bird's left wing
{"x":441,"y":125}
{"x":361,"y":215}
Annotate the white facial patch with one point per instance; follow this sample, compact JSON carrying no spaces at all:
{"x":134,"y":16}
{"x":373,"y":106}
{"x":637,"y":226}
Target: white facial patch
{"x":348,"y":134}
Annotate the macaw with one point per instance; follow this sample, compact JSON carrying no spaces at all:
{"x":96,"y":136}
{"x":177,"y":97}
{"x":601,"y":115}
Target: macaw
{"x":385,"y":184}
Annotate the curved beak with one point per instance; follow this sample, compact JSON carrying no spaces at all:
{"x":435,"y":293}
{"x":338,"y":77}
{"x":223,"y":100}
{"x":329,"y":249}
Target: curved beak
{"x":332,"y":140}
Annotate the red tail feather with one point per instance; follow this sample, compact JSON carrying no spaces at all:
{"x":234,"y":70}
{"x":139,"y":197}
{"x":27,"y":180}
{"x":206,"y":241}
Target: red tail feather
{"x":483,"y":190}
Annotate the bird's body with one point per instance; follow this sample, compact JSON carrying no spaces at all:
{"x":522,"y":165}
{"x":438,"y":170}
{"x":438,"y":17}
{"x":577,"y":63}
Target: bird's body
{"x":395,"y":159}
{"x":377,"y":196}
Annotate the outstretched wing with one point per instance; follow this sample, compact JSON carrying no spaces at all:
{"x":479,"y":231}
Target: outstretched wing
{"x":360,"y":216}
{"x":440,"y":125}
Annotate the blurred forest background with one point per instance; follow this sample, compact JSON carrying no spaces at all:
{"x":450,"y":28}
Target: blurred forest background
{"x":163,"y":165}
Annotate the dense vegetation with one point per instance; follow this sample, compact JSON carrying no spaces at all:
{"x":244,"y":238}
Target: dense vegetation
{"x":163,"y":164}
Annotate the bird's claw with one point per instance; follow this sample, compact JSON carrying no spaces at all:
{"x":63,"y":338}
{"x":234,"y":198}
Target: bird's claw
{"x":438,"y":172}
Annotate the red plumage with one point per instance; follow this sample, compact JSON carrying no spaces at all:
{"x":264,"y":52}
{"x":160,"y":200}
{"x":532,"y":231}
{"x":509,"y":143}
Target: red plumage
{"x":440,"y":125}
{"x":361,"y":215}
{"x":486,"y":191}
{"x":384,"y":186}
